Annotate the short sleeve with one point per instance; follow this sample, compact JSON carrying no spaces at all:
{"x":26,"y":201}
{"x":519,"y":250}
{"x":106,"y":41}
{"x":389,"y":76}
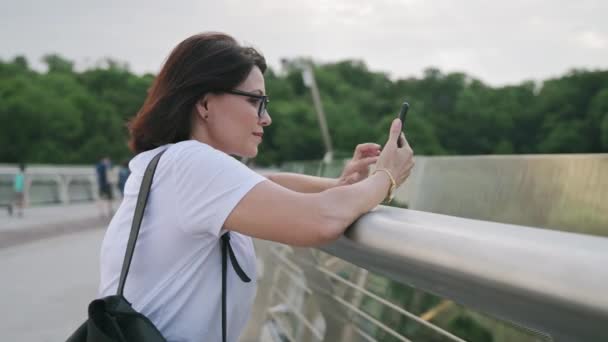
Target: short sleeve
{"x":208,"y":186}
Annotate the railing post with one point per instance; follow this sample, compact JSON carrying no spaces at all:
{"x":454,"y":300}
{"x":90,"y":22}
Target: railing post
{"x":27,"y":187}
{"x":348,"y":330}
{"x":63,"y":182}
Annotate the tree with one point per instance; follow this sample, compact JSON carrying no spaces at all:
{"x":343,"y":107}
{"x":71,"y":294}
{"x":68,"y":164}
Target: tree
{"x":65,"y":116}
{"x":56,"y":63}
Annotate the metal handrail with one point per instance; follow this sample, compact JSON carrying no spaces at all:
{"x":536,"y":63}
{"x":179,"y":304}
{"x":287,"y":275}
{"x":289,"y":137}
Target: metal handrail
{"x":551,"y":281}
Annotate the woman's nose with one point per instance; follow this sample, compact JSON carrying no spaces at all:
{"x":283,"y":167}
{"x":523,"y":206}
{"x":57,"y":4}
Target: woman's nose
{"x":266,"y":120}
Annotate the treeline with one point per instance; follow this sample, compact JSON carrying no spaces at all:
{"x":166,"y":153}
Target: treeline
{"x":65,"y":116}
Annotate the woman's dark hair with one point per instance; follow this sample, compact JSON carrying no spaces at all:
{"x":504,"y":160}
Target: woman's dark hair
{"x":203,"y":63}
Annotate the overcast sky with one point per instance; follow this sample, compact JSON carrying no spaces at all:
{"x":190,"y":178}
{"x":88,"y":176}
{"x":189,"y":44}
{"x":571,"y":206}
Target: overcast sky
{"x":499,"y":42}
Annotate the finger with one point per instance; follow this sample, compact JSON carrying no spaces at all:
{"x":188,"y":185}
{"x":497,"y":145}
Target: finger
{"x":364,"y":163}
{"x":395,"y":130}
{"x":371,"y":153}
{"x":365,"y":149}
{"x":368,"y":146}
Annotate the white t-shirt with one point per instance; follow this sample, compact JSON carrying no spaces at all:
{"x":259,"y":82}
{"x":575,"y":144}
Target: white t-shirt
{"x":175,"y":277}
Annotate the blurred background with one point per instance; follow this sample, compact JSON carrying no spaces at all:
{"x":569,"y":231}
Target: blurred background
{"x":510,"y":77}
{"x":484,"y":80}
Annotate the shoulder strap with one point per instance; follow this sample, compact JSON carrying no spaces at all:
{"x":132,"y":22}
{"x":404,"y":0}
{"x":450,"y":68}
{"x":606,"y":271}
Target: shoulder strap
{"x":227,"y":250}
{"x":142,"y":199}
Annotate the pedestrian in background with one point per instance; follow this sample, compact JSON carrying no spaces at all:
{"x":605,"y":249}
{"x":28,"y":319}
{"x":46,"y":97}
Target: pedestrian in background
{"x":123,"y":174}
{"x":102,"y":169}
{"x":19,"y":190}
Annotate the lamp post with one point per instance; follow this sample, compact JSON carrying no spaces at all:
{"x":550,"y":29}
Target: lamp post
{"x":308,"y":77}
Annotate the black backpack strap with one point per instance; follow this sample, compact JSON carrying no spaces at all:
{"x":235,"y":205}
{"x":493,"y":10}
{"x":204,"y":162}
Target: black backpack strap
{"x":227,"y":249}
{"x":142,"y":199}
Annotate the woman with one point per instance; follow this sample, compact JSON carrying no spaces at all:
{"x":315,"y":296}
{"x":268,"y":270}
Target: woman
{"x":207,"y":103}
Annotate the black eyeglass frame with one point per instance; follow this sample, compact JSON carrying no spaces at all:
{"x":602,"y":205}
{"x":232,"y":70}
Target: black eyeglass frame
{"x":265,"y":99}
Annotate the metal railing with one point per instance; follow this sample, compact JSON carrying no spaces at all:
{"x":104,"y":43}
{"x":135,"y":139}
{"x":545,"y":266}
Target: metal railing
{"x":535,"y":284}
{"x":58,"y":184}
{"x":550,"y":281}
{"x":50,"y":183}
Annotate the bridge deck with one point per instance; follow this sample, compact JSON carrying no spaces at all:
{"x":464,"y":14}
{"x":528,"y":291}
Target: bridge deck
{"x":49,"y":260}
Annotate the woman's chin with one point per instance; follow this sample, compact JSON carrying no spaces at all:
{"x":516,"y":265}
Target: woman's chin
{"x":249,"y":153}
{"x":253,"y":153}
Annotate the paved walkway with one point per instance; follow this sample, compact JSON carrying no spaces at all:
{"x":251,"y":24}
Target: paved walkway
{"x":48,"y":221}
{"x":49,"y":265}
{"x":46,"y":286}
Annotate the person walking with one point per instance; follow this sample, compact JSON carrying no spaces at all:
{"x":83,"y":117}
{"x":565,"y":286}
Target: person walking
{"x":19,"y":191}
{"x":102,"y":169}
{"x":123,"y":175}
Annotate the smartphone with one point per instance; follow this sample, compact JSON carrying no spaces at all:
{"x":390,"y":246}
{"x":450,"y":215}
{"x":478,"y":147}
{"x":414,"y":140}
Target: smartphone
{"x":402,"y":114}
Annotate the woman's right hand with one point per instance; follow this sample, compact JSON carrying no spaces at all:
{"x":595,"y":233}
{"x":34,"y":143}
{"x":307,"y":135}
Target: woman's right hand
{"x":398,"y":160}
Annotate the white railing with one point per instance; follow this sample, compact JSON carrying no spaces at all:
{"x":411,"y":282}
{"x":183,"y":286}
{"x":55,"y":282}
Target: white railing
{"x":51,"y":183}
{"x":58,"y":184}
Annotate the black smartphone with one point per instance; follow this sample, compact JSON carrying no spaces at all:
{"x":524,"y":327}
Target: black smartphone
{"x":402,"y":114}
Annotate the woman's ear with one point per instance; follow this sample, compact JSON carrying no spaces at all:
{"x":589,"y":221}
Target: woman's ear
{"x":202,"y":107}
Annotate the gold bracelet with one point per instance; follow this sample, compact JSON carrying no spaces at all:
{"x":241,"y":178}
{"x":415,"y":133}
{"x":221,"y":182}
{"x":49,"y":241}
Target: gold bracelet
{"x":389,"y":196}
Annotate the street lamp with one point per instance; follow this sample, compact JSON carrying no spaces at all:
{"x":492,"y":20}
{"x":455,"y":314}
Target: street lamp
{"x":308,"y":76}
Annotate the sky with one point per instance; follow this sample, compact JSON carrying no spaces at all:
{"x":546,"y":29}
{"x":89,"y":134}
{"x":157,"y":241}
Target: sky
{"x":500,"y":43}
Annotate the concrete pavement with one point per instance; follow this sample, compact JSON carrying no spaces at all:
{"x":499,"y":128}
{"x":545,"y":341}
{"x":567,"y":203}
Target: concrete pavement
{"x":50,"y":272}
{"x":47,"y":221}
{"x":47,"y":285}
{"x":49,"y":265}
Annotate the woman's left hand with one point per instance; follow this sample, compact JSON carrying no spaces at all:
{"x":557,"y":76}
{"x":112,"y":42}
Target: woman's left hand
{"x":357,"y":169}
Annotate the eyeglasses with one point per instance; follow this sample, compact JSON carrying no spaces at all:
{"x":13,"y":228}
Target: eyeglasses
{"x":264,"y":99}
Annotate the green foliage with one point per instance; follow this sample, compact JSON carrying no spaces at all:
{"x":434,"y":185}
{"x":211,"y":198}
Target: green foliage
{"x":465,"y":326}
{"x":56,"y":63}
{"x":66,"y":116}
{"x":63,"y":116}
